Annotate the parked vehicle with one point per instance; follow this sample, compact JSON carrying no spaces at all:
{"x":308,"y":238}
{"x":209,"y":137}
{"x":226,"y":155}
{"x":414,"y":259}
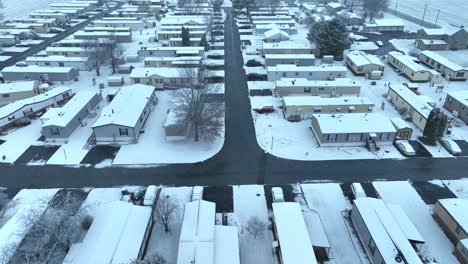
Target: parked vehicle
{"x":357,"y":190}
{"x":265,"y":110}
{"x":277,"y":194}
{"x":405,"y":147}
{"x":197,"y":193}
{"x":451,"y":146}
{"x":150,"y":195}
{"x":379,"y":43}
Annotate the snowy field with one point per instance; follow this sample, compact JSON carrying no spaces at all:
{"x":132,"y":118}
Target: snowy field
{"x":13,"y":9}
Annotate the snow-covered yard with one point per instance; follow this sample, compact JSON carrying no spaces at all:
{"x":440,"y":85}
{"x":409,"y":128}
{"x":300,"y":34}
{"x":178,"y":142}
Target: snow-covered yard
{"x":403,"y":194}
{"x":458,"y":187}
{"x":329,"y":202}
{"x":153,"y":148}
{"x":364,"y":45}
{"x":167,"y":244}
{"x":19,"y":140}
{"x":249,"y":201}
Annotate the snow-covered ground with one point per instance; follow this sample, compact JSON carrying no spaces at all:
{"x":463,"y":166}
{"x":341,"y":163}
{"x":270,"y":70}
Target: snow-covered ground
{"x":18,"y":141}
{"x":458,"y":187}
{"x":403,"y":194}
{"x":329,"y":202}
{"x":153,"y":148}
{"x":364,"y":45}
{"x":249,"y":201}
{"x":167,"y":244}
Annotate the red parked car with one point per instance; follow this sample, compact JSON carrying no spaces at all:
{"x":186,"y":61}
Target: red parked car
{"x":265,"y":110}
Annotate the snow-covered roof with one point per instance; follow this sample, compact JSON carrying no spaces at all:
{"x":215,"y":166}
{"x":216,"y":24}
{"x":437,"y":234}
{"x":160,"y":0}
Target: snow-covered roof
{"x":334,"y":5}
{"x":354,"y":123}
{"x":317,"y":234}
{"x":389,"y":22}
{"x":17,"y":105}
{"x":163,"y":72}
{"x":65,"y":49}
{"x":302,"y":82}
{"x":399,"y":123}
{"x":434,"y":31}
{"x":290,"y":56}
{"x":415,"y":101}
{"x":294,"y":68}
{"x":126,"y":107}
{"x":180,"y":20}
{"x":115,"y":236}
{"x":122,"y":22}
{"x":290,"y":45}
{"x":433,"y":41}
{"x":385,"y":231}
{"x":57,"y":58}
{"x":177,"y":49}
{"x":361,"y":58}
{"x":460,"y":96}
{"x":325,"y":101}
{"x":17,"y":87}
{"x":226,"y":245}
{"x":442,"y":60}
{"x":196,"y":244}
{"x":464,"y":242}
{"x":408,"y":61}
{"x":37,"y":69}
{"x":408,"y":228}
{"x":64,"y":115}
{"x":292,"y":234}
{"x":261,"y":85}
{"x":101,"y":33}
{"x":271,"y":26}
{"x":272,"y":32}
{"x":458,"y":209}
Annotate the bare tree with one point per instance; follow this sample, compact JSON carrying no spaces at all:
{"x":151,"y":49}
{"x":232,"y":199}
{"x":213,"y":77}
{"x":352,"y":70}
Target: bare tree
{"x":4,"y":203}
{"x":114,"y":53}
{"x":205,"y":119}
{"x":207,"y":19}
{"x":373,"y":7}
{"x":165,"y":209}
{"x":255,"y":226}
{"x":98,"y":53}
{"x":153,"y":259}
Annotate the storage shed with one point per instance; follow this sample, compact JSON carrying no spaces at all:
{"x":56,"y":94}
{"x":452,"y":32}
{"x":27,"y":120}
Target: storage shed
{"x":275,"y":35}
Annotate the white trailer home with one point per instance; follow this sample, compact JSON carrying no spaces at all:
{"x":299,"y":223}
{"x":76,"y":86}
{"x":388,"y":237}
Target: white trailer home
{"x":177,"y":42}
{"x":53,"y":74}
{"x":386,"y":232}
{"x":67,"y":51}
{"x":178,"y":29}
{"x":107,"y":29}
{"x":59,"y":123}
{"x":293,"y":241}
{"x":170,"y":52}
{"x":294,"y":59}
{"x":417,"y":107}
{"x":385,"y":25}
{"x":11,"y":92}
{"x":447,"y":68}
{"x":219,"y":244}
{"x":15,"y":111}
{"x":414,"y":71}
{"x":275,"y":35}
{"x":164,"y":77}
{"x":133,"y":24}
{"x":173,"y":62}
{"x":167,"y":35}
{"x":118,"y":37}
{"x":80,"y":63}
{"x":58,"y":16}
{"x":287,"y":47}
{"x":303,"y":107}
{"x":307,"y":72}
{"x":362,"y":63}
{"x":121,"y":124}
{"x":301,"y":86}
{"x":182,"y":21}
{"x":118,"y":234}
{"x":353,"y":129}
{"x":8,"y":40}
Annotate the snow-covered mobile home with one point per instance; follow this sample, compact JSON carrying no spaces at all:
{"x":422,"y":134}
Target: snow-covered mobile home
{"x":294,"y":59}
{"x":414,"y":71}
{"x":33,"y":72}
{"x":301,"y":86}
{"x":11,"y":92}
{"x":306,"y":72}
{"x":164,"y":77}
{"x":362,"y":63}
{"x":80,"y":63}
{"x":447,"y":68}
{"x":121,"y":124}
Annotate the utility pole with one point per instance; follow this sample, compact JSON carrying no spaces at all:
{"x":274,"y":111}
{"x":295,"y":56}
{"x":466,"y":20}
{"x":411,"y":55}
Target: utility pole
{"x":424,"y":14}
{"x":437,"y":17}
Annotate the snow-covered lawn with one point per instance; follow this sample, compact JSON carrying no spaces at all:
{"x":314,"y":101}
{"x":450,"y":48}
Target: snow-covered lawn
{"x":329,"y":202}
{"x":153,"y":148}
{"x":403,"y":45}
{"x":403,"y":194}
{"x":458,"y":187}
{"x":98,"y":197}
{"x":249,"y":200}
{"x":167,"y":244}
{"x":19,"y":140}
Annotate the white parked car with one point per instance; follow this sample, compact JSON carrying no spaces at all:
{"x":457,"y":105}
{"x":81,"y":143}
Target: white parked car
{"x":451,"y":146}
{"x":379,"y":43}
{"x":197,"y":193}
{"x":405,"y":147}
{"x":357,"y":190}
{"x":252,"y":52}
{"x":277,"y":194}
{"x":150,"y":195}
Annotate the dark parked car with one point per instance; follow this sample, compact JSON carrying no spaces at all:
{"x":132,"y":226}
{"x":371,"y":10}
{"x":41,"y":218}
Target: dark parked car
{"x":265,"y":110}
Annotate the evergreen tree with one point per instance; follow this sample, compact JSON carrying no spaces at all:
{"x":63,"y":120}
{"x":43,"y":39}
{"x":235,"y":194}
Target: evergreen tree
{"x":436,"y":125}
{"x":185,"y":37}
{"x":204,"y":43}
{"x":330,"y":37}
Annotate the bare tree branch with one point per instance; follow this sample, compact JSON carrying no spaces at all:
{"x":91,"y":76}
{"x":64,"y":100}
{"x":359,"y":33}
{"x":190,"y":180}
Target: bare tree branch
{"x":255,"y":226}
{"x":165,"y":209}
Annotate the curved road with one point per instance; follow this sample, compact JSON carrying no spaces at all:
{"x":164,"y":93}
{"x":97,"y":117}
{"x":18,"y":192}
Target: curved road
{"x":241,"y":160}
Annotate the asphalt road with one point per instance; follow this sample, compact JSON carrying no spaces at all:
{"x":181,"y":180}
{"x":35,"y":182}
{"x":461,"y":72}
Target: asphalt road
{"x":241,"y":160}
{"x":59,"y":36}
